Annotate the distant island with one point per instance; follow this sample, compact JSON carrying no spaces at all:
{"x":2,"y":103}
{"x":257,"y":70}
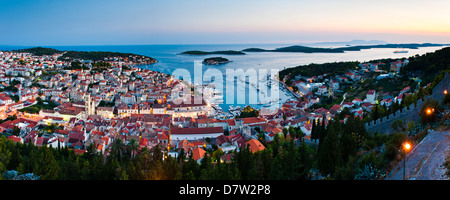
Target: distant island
{"x":296,"y":48}
{"x":305,"y":49}
{"x":229,"y":52}
{"x":380,"y":46}
{"x":215,"y":61}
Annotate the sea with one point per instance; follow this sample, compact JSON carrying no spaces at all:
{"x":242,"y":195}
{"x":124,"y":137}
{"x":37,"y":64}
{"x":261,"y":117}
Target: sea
{"x":169,"y":59}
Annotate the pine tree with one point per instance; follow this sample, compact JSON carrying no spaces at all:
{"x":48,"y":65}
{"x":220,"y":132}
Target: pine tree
{"x":121,"y":174}
{"x":48,"y":168}
{"x":5,"y":155}
{"x":375,"y":113}
{"x":85,"y":171}
{"x":314,"y":135}
{"x":276,"y":172}
{"x":322,"y":127}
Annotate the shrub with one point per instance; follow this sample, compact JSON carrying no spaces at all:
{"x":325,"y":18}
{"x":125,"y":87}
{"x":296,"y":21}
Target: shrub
{"x":446,"y":100}
{"x":429,"y":111}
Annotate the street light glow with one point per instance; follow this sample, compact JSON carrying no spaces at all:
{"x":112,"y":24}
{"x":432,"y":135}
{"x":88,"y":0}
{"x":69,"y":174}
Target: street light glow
{"x":445,"y":92}
{"x":428,"y":111}
{"x":406,"y":146}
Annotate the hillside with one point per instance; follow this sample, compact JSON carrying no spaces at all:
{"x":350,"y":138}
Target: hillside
{"x":101,"y":55}
{"x":39,"y":51}
{"x":88,"y":55}
{"x":319,"y":69}
{"x":429,"y":64}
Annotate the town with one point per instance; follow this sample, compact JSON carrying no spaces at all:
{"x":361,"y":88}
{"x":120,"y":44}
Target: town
{"x":56,"y":103}
{"x":83,"y":107}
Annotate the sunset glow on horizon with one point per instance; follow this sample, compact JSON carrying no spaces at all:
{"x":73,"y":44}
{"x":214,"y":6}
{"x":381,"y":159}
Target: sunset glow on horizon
{"x":50,"y":22}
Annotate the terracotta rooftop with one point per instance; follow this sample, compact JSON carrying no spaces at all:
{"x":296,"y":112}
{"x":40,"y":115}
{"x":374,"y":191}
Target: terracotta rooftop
{"x":206,"y":130}
{"x":198,"y":153}
{"x":255,"y":145}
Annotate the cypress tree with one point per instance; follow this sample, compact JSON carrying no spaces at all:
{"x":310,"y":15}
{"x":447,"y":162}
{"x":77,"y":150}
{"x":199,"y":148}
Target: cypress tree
{"x":314,"y":131}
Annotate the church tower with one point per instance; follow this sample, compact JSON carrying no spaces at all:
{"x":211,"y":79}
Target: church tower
{"x":89,"y":105}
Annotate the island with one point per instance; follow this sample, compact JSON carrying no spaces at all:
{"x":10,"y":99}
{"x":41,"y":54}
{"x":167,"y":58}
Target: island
{"x":297,"y":48}
{"x":228,"y":52}
{"x":215,"y":61}
{"x":305,"y":49}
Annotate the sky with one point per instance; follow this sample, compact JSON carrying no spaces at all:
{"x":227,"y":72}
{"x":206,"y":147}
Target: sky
{"x":135,"y":22}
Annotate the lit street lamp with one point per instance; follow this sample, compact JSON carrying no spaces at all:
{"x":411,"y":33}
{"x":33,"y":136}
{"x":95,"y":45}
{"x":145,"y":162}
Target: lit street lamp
{"x":406,"y":148}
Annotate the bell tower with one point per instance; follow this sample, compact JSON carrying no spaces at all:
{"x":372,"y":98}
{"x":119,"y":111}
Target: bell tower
{"x":330,"y":89}
{"x":89,"y":105}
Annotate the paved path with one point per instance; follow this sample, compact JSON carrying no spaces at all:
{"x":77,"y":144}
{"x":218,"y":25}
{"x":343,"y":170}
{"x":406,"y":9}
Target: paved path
{"x":425,"y":161}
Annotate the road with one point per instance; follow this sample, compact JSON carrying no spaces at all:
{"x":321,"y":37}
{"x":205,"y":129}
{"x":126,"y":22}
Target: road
{"x":343,"y":99}
{"x":425,"y":161}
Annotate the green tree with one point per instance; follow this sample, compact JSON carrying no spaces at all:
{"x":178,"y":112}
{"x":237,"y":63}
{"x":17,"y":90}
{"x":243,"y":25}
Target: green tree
{"x":216,"y":155}
{"x":285,"y":132}
{"x":248,"y":111}
{"x":133,"y":147}
{"x":122,"y":174}
{"x":377,"y":112}
{"x":429,"y":111}
{"x":171,"y":169}
{"x":328,"y":153}
{"x":446,"y":99}
{"x":85,"y":171}
{"x":190,"y":169}
{"x":314,"y":133}
{"x":5,"y":155}
{"x":117,"y":149}
{"x":48,"y":167}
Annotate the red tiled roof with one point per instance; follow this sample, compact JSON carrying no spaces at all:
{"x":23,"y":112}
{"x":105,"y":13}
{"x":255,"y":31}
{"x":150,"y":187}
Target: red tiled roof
{"x":143,"y":142}
{"x":255,"y":145}
{"x":231,"y":122}
{"x":204,"y":121}
{"x":321,"y":110}
{"x":207,"y":130}
{"x":163,"y":136}
{"x":251,"y":120}
{"x":64,"y":132}
{"x":184,"y":144}
{"x":14,"y":138}
{"x":335,"y":107}
{"x":198,"y":153}
{"x":101,"y":133}
{"x":197,"y":143}
{"x":193,"y":103}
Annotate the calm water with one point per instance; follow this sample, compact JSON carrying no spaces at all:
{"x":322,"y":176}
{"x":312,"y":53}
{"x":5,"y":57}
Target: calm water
{"x":169,"y":58}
